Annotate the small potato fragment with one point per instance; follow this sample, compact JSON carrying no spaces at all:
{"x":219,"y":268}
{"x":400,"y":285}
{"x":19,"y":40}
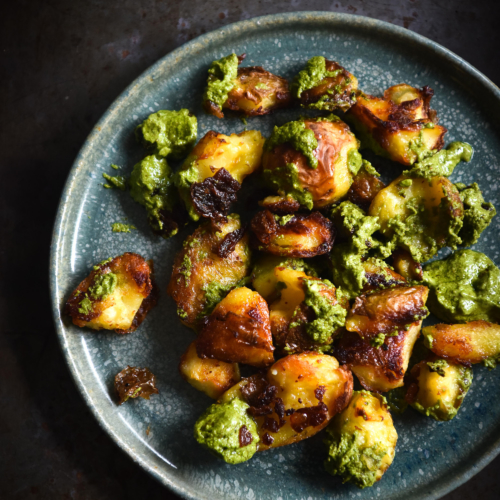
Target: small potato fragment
{"x":379,"y":275}
{"x":296,"y":398}
{"x":281,"y":205}
{"x":238,"y":330}
{"x":239,"y":154}
{"x":379,"y":369}
{"x":293,"y":235}
{"x":437,"y":387}
{"x":201,"y":278}
{"x":468,"y":344}
{"x":400,"y":126}
{"x":406,"y":266}
{"x":211,"y":376}
{"x":364,"y":188}
{"x":133,"y":382}
{"x":361,"y":440}
{"x":117,"y":295}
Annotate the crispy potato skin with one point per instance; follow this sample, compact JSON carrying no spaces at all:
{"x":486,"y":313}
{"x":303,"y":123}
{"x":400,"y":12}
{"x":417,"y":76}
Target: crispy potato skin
{"x":295,"y":386}
{"x":398,"y":118}
{"x":133,"y":297}
{"x":280,"y":204}
{"x":302,"y":236}
{"x":258,"y":92}
{"x":238,"y":330}
{"x":467,"y":344}
{"x":364,"y":188}
{"x":384,"y":311}
{"x":406,"y":266}
{"x":377,"y":277}
{"x":331,"y":180}
{"x":211,"y":376}
{"x":378,"y":369}
{"x":201,"y":250}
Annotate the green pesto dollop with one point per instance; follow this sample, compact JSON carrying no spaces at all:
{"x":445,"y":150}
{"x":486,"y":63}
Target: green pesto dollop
{"x":300,"y":137}
{"x":311,"y":76}
{"x":117,"y":181}
{"x":464,"y":287}
{"x":151,"y":185}
{"x":168,"y":133}
{"x":439,"y":366}
{"x":101,"y":288}
{"x":441,"y":163}
{"x":120,"y":227}
{"x":221,"y":79}
{"x":477,"y":213}
{"x":220,"y":427}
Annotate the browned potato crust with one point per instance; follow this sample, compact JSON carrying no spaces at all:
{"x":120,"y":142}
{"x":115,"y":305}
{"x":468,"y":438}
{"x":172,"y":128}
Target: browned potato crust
{"x":405,"y":265}
{"x":238,"y":330}
{"x":135,"y":294}
{"x":133,"y":382}
{"x":293,"y":235}
{"x":378,"y":276}
{"x":364,"y":188}
{"x":280,"y":204}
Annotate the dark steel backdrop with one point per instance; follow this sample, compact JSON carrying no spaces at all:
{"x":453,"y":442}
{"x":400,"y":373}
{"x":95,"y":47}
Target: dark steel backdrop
{"x":62,"y":63}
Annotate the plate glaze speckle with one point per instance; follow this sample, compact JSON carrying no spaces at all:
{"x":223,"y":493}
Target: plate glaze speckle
{"x":431,"y":458}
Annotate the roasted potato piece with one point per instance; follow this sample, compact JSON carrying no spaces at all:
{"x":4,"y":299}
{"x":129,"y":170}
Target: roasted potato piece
{"x":239,"y":154}
{"x":400,"y":126}
{"x":378,"y":369}
{"x":419,"y":215}
{"x":282,"y":205}
{"x":365,"y":186}
{"x":293,"y":235}
{"x":379,"y":275}
{"x":437,"y":387}
{"x":133,"y":382}
{"x":312,"y":160}
{"x":308,"y":314}
{"x":474,"y":342}
{"x":325,"y":85}
{"x":117,"y":295}
{"x":238,"y":330}
{"x":386,"y":311}
{"x":201,"y":278}
{"x":296,"y":398}
{"x":406,"y":266}
{"x":361,"y":440}
{"x":211,"y":376}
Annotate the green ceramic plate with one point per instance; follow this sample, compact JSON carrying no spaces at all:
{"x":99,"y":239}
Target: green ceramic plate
{"x":431,"y":458}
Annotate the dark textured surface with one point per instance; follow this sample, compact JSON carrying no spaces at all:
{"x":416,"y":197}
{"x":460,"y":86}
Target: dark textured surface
{"x":62,"y":64}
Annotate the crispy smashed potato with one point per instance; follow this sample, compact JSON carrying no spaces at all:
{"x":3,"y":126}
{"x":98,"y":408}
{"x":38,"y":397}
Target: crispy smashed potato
{"x":289,"y":172}
{"x":133,"y":382}
{"x":293,"y":235}
{"x":386,"y":311}
{"x":282,"y":205}
{"x":296,"y":398}
{"x":473,"y":342}
{"x":239,"y":154}
{"x":117,"y":295}
{"x":238,"y":330}
{"x":406,"y":266}
{"x":379,"y":369}
{"x":211,"y":376}
{"x":400,"y":126}
{"x":365,"y":186}
{"x":200,"y":277}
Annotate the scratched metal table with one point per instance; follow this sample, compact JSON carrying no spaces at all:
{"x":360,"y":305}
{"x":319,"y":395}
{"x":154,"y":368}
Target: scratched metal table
{"x":62,"y":64}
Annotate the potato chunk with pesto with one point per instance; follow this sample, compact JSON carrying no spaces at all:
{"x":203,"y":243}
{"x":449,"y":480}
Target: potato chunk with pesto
{"x":210,"y":264}
{"x":365,"y":186}
{"x":200,"y":180}
{"x":308,"y":314}
{"x":437,"y":387}
{"x":296,"y":398}
{"x":312,"y":161}
{"x":361,"y":440}
{"x":400,"y":126}
{"x":238,"y":330}
{"x":211,"y":376}
{"x":471,"y":343}
{"x":117,"y":295}
{"x":325,"y":85}
{"x":294,"y":235}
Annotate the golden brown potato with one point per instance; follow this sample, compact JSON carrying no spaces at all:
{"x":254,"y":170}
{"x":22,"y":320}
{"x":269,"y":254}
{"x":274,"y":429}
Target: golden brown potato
{"x":386,"y":311}
{"x":379,"y":369}
{"x":379,"y":275}
{"x":293,"y":235}
{"x":325,"y":85}
{"x":117,"y":295}
{"x":296,"y":398}
{"x":400,"y":126}
{"x":473,"y":342}
{"x":207,"y":268}
{"x":364,"y":188}
{"x":290,"y":173}
{"x":282,"y":205}
{"x":211,"y":376}
{"x":238,"y":330}
{"x":406,"y":266}
{"x":238,"y":154}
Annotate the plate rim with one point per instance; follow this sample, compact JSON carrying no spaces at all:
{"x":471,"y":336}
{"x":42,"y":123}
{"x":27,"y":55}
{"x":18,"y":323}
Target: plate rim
{"x":214,"y":37}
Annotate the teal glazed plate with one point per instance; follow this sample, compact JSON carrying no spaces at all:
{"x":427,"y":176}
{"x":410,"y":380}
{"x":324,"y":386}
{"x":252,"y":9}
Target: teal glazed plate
{"x":432,"y":458}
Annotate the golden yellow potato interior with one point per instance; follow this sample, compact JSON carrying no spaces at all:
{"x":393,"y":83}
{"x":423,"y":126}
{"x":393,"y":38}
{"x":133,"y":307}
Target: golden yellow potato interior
{"x":292,"y":294}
